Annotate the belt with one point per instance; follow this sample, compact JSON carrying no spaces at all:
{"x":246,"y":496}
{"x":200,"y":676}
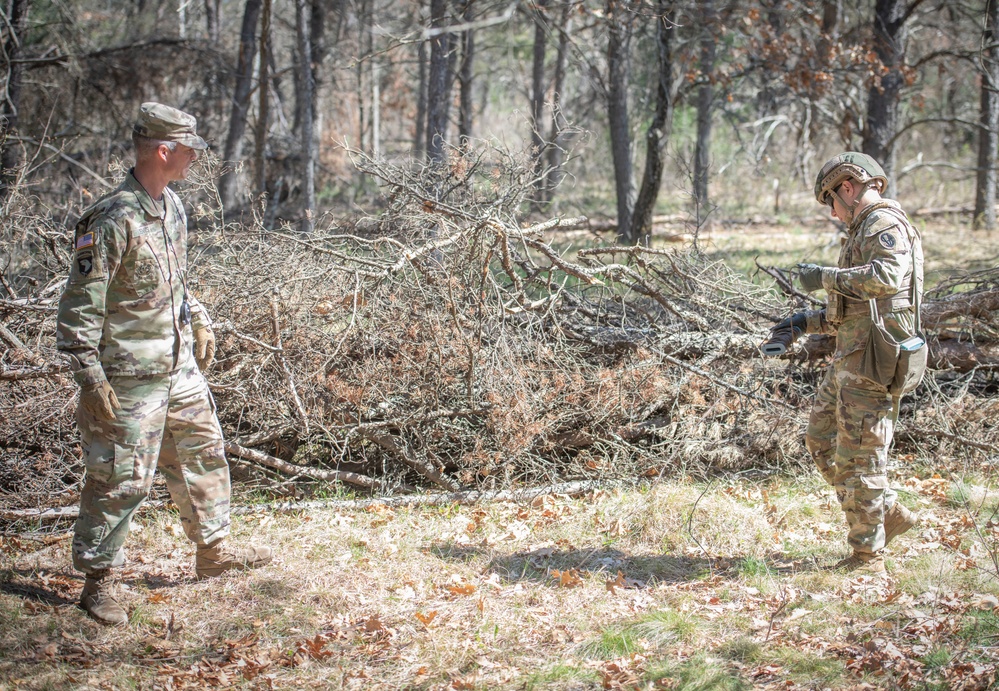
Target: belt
{"x":855,"y":308}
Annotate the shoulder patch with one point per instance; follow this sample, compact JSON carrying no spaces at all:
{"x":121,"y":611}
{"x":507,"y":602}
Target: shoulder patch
{"x":887,"y":240}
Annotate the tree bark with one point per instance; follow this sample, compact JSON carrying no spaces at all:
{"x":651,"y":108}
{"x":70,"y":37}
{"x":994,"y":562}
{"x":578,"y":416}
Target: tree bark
{"x":233,"y":150}
{"x":884,"y":93}
{"x":538,"y":95}
{"x":213,"y":20}
{"x":260,"y":158}
{"x":661,"y":127}
{"x":307,"y":110}
{"x":438,"y":93}
{"x":988,"y":135}
{"x":419,"y":135}
{"x":466,"y":77}
{"x":11,"y":157}
{"x":556,"y":152}
{"x":618,"y":40}
{"x":705,"y":99}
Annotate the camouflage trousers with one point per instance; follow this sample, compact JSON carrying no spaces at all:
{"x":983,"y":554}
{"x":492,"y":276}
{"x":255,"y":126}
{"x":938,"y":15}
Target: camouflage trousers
{"x":849,"y":432}
{"x":167,"y":420}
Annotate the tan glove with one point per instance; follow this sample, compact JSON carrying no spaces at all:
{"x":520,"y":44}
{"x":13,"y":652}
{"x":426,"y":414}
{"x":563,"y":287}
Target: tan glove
{"x":99,"y":400}
{"x":204,"y":347}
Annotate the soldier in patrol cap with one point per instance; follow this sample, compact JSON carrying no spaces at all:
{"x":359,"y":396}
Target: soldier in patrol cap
{"x":875,"y":286}
{"x":138,"y":341}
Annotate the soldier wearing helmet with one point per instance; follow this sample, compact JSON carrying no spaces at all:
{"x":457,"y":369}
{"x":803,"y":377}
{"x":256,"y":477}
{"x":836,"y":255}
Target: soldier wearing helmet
{"x":873,"y":297}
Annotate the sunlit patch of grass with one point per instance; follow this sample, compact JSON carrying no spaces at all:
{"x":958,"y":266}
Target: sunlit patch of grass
{"x":937,"y":658}
{"x":753,"y":567}
{"x":805,"y":667}
{"x":980,"y":627}
{"x":558,"y":676}
{"x":701,"y":673}
{"x":742,"y":649}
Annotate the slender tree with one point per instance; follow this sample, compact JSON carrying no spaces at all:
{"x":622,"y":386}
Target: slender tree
{"x":11,"y":155}
{"x":884,"y":93}
{"x":619,"y":27}
{"x":307,"y":109}
{"x":438,"y":81}
{"x":661,"y":127}
{"x":988,"y":133}
{"x":705,"y":106}
{"x":263,"y":103}
{"x":466,"y":75}
{"x":213,"y":20}
{"x":538,"y":89}
{"x":556,"y":151}
{"x":233,"y":150}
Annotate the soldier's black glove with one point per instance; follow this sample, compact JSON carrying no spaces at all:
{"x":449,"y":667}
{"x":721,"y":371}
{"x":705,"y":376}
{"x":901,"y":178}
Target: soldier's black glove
{"x":810,"y":277}
{"x":784,"y":334}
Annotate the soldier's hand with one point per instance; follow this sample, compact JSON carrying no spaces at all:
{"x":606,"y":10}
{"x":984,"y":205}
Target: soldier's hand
{"x":204,"y":347}
{"x":810,"y":277}
{"x":783,"y":334}
{"x":99,"y":400}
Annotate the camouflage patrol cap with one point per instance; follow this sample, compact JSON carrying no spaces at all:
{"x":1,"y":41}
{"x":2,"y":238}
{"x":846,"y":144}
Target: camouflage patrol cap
{"x":850,"y":164}
{"x":158,"y":121}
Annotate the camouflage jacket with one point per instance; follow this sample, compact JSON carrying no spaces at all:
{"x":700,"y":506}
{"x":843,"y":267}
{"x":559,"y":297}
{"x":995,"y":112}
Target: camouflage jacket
{"x":120,"y":312}
{"x":881,"y":258}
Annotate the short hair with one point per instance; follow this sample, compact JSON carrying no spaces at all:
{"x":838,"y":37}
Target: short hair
{"x":147,"y":145}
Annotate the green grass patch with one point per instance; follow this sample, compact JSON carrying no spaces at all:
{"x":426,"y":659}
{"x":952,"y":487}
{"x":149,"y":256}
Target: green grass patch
{"x":701,"y":673}
{"x":805,"y":667}
{"x":559,"y":675}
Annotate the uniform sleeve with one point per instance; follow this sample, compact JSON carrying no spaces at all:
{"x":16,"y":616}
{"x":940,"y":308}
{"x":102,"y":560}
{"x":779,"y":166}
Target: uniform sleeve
{"x":199,"y":315}
{"x":97,"y":250}
{"x":816,"y":323}
{"x":886,"y":253}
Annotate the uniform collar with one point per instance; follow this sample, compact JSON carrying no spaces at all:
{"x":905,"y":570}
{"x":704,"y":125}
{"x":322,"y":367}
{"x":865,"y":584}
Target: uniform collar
{"x":149,"y":205}
{"x":871,"y":208}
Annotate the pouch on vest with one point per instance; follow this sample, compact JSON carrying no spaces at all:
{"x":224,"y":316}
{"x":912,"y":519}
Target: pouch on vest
{"x":897,"y":365}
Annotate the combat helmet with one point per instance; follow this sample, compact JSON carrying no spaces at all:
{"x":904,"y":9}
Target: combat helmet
{"x":850,"y":164}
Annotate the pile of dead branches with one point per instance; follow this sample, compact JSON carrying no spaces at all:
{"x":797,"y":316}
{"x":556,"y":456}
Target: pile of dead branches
{"x":443,"y":343}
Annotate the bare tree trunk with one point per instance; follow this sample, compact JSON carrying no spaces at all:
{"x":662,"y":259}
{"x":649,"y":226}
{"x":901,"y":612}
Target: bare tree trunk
{"x":419,"y":136}
{"x":438,"y":93}
{"x":260,"y":152}
{"x":883,"y":95}
{"x":618,"y":40}
{"x":307,"y":109}
{"x":988,"y":135}
{"x":556,"y":151}
{"x":233,"y":150}
{"x":538,"y":95}
{"x":660,"y":128}
{"x":11,"y":158}
{"x":213,"y":20}
{"x":705,"y":105}
{"x":466,"y":76}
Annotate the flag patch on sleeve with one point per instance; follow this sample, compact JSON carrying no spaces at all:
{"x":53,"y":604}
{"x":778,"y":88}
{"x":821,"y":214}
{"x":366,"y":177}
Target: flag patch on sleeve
{"x":85,"y":240}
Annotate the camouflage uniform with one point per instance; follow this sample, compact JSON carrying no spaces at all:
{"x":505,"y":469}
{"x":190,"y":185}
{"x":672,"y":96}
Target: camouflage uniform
{"x":125,"y":314}
{"x":852,"y":420}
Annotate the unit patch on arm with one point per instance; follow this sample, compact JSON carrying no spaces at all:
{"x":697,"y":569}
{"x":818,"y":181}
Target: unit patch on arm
{"x":88,"y":260}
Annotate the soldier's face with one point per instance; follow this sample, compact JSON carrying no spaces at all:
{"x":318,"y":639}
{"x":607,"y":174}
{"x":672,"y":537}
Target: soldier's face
{"x":179,"y":161}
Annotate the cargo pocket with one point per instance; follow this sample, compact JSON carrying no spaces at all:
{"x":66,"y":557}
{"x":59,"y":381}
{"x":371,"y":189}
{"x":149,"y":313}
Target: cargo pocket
{"x":110,"y":455}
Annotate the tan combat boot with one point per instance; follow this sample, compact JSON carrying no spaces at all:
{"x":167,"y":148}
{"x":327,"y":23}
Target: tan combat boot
{"x":216,"y":558}
{"x":862,"y":564}
{"x":96,"y":600}
{"x":898,"y":520}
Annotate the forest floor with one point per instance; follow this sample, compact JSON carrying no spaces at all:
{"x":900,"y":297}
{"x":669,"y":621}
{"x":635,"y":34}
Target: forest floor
{"x":681,"y":583}
{"x":718,"y":585}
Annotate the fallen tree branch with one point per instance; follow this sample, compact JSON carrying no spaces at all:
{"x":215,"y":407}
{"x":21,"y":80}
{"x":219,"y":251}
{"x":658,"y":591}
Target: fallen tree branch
{"x":398,"y":448}
{"x":570,"y":489}
{"x":260,"y":457}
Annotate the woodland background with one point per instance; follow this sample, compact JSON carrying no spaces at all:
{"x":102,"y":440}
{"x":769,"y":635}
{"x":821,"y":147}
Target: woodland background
{"x":468,"y":244}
